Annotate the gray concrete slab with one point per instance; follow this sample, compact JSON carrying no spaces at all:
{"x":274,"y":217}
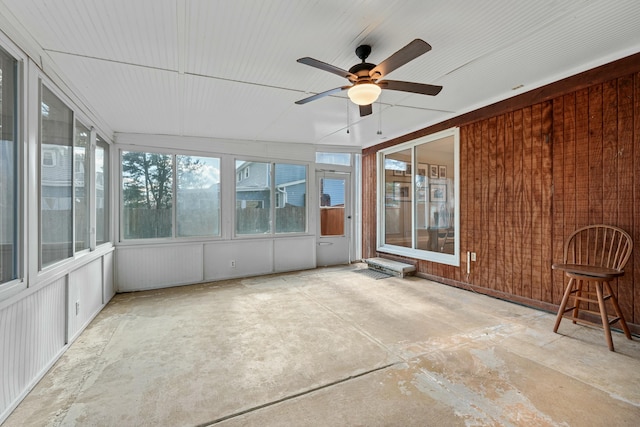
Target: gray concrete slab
{"x":331,"y":347}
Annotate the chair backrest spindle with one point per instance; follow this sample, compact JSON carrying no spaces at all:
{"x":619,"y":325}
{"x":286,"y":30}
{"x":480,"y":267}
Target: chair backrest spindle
{"x":599,"y":245}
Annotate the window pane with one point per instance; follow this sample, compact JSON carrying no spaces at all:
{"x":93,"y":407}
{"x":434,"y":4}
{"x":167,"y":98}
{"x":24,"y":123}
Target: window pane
{"x":198,"y":196}
{"x":81,"y":185}
{"x":342,"y":159}
{"x":8,"y":169}
{"x":56,"y":174}
{"x":253,"y":198}
{"x":332,"y":194}
{"x":434,"y":189}
{"x":397,"y":210}
{"x":102,"y":191}
{"x":147,"y":180}
{"x":291,"y":198}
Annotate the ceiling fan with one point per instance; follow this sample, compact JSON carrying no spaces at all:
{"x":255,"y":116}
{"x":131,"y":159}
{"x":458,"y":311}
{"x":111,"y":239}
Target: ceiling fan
{"x":367,"y":78}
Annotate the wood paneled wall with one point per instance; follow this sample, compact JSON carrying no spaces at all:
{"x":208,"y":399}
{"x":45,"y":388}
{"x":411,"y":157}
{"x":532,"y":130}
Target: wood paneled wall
{"x":531,"y":175}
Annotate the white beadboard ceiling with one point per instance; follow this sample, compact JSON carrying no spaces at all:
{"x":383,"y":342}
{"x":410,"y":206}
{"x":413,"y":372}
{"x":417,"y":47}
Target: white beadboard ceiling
{"x":227,"y":69}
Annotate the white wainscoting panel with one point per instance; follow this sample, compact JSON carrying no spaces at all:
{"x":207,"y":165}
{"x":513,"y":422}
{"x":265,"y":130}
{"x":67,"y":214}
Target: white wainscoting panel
{"x":85,"y":290}
{"x":250,"y":257}
{"x":109,"y":288}
{"x":150,"y":267}
{"x":32,"y":334}
{"x":297,"y":253}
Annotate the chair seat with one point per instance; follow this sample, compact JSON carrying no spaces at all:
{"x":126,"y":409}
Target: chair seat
{"x":580,"y":270}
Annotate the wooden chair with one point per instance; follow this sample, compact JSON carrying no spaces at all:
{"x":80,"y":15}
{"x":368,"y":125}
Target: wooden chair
{"x":594,"y":254}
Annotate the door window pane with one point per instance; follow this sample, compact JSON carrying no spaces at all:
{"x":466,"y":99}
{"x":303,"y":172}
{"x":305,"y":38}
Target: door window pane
{"x":9,"y":224}
{"x":102,"y":190}
{"x":291,"y":198}
{"x":253,"y":198}
{"x":81,"y":185}
{"x":147,"y":186}
{"x":56,"y":174}
{"x":198,"y":196}
{"x":332,"y":194}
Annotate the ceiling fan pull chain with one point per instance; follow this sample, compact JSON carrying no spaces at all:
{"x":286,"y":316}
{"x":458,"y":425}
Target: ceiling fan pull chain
{"x":348,"y":118}
{"x":379,"y":115}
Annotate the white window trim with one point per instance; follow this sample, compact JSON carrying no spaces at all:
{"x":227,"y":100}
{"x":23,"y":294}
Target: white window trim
{"x":410,"y":252}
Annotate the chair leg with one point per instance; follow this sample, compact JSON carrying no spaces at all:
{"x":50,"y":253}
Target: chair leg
{"x":576,"y":309}
{"x":603,"y":315}
{"x":563,"y":305}
{"x":616,"y":307}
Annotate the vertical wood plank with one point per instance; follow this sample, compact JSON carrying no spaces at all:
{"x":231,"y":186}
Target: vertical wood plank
{"x":636,"y":198}
{"x":501,"y":254}
{"x":582,"y":157}
{"x":569,"y":122}
{"x":463,"y":214}
{"x":519,"y":203}
{"x":527,"y":202}
{"x":624,"y":184}
{"x":558,"y":148}
{"x":547,"y":219}
{"x":510,"y":270}
{"x":477,"y":201}
{"x":492,"y":217}
{"x":369,"y":208}
{"x":595,"y":155}
{"x":536,"y":202}
{"x":610,"y":156}
{"x":484,"y":263}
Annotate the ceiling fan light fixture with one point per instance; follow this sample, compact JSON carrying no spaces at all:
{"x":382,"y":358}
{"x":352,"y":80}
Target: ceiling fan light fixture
{"x":364,"y":93}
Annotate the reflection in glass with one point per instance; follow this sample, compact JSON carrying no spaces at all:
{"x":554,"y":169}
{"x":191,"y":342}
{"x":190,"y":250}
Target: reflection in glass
{"x":253,"y":197}
{"x":81,"y":185}
{"x":56,"y":175}
{"x":198,"y":196}
{"x":435,"y":199}
{"x":291,"y":198}
{"x":102,"y":190}
{"x":9,"y":223}
{"x":397,"y":208}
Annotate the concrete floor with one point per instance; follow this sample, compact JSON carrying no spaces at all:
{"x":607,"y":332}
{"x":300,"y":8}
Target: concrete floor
{"x":333,"y":347}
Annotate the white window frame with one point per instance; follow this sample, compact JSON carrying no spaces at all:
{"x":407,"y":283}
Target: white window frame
{"x":449,"y":259}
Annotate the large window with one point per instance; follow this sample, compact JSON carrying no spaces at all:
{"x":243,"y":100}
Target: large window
{"x":81,"y":185}
{"x":56,"y":179}
{"x":9,"y":222}
{"x":102,"y":190}
{"x":198,"y":196}
{"x":148,"y":195}
{"x":262,"y":196}
{"x":291,"y":198}
{"x":419,"y":181}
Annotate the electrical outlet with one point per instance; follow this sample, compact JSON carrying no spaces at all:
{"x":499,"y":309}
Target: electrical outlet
{"x":473,"y":256}
{"x":232,"y":264}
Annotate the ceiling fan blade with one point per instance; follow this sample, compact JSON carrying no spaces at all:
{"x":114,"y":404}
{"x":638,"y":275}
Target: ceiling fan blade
{"x":401,"y":57}
{"x":328,"y":67}
{"x":322,"y":94}
{"x":421,"y":88}
{"x":365,"y":110}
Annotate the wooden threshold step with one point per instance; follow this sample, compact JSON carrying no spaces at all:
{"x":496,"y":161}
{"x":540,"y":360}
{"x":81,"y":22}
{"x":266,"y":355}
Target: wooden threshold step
{"x":395,"y":268}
